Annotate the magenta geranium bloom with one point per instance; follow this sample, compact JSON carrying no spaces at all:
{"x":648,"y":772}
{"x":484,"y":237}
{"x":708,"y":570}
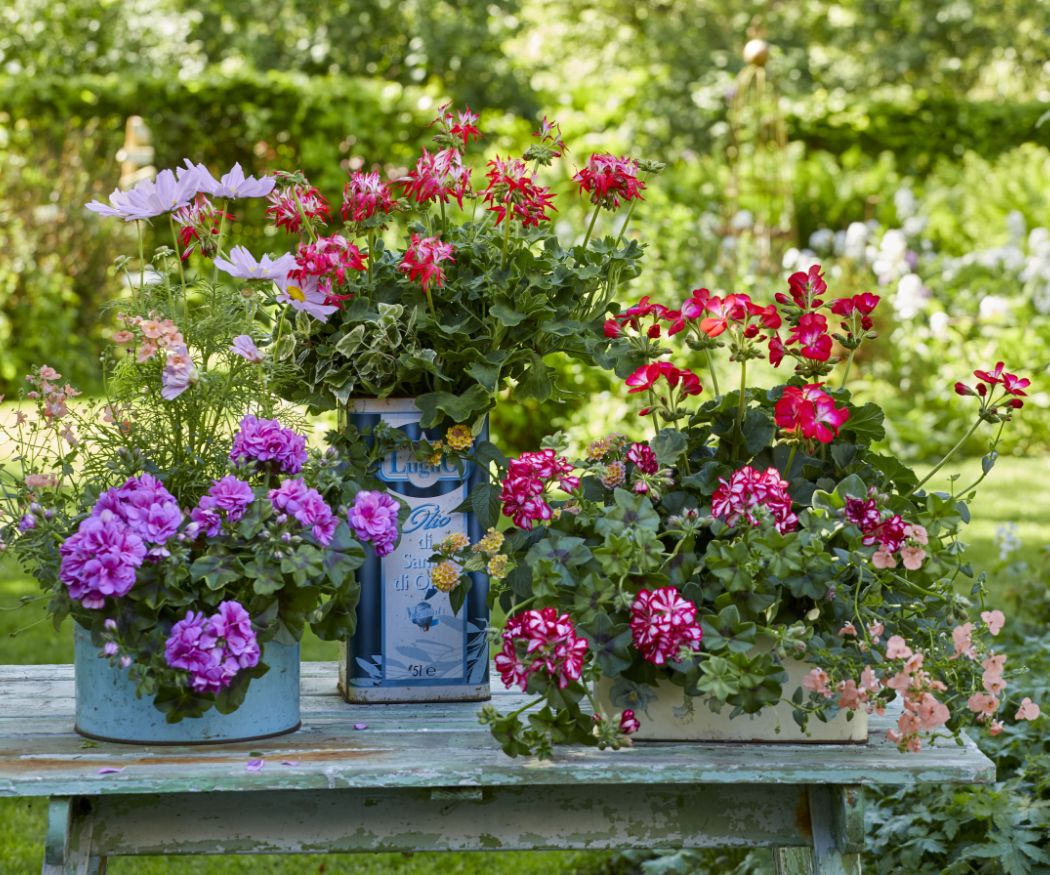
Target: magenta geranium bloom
{"x":267,"y":441}
{"x":373,"y":518}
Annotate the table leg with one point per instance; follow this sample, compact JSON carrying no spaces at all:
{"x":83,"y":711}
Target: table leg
{"x":836,"y":821}
{"x":67,"y":848}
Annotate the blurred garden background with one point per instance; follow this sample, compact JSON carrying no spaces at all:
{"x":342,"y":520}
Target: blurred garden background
{"x":902,"y":144}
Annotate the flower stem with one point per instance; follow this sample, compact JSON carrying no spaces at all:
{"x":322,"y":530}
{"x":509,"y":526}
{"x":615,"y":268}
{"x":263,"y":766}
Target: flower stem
{"x":623,"y":227}
{"x":714,"y":375}
{"x":178,"y":259}
{"x":590,"y":227}
{"x":218,"y":245}
{"x":743,"y":401}
{"x":142,"y":258}
{"x":524,"y":707}
{"x":849,"y":364}
{"x":506,"y":238}
{"x":791,"y":459}
{"x":947,"y":456}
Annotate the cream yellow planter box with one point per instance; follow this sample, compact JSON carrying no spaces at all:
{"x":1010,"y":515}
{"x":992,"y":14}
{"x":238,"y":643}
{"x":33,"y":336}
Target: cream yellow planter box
{"x":666,"y":720}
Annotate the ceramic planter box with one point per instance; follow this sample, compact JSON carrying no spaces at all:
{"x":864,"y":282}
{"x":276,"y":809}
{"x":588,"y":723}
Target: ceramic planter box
{"x":409,"y":646}
{"x":108,"y":709}
{"x":660,"y":722}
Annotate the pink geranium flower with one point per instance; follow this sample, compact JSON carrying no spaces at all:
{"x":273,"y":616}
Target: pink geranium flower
{"x":663,"y":625}
{"x":422,"y":261}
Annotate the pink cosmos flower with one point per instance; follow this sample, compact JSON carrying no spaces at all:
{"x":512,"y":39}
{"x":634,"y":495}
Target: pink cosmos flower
{"x":816,"y":682}
{"x":994,"y":620}
{"x":913,"y":557}
{"x":963,"y":642}
{"x":540,"y":642}
{"x":179,"y":374}
{"x":1029,"y":710}
{"x":896,"y":648}
{"x":422,"y":261}
{"x":610,"y":180}
{"x":245,"y":347}
{"x":305,"y":296}
{"x":365,"y":195}
{"x":242,"y":265}
{"x":232,"y":184}
{"x":983,"y":703}
{"x":663,"y":625}
{"x":749,"y":490}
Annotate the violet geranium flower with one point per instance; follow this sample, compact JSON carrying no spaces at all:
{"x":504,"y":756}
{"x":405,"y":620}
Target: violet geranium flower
{"x":373,"y":518}
{"x":242,"y":264}
{"x":100,"y":560}
{"x":266,"y":441}
{"x":294,"y":497}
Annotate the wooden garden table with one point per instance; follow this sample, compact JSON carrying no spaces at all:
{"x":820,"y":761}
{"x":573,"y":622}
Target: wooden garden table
{"x":430,"y":778}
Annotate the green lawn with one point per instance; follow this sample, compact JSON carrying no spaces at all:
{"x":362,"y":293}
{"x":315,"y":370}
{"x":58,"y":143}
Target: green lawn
{"x":1009,"y":495}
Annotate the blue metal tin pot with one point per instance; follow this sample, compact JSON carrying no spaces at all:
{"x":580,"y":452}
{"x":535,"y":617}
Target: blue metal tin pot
{"x":409,"y":646}
{"x":109,"y":710}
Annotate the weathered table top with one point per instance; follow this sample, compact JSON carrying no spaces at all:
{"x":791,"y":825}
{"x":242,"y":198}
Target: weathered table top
{"x":411,"y":746}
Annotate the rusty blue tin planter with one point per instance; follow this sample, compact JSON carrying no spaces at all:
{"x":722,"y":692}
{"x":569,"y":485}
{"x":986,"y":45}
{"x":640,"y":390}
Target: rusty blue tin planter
{"x":108,"y":709}
{"x":409,"y":646}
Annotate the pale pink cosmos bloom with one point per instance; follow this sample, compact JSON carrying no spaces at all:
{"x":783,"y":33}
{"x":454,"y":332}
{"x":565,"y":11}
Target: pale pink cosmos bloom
{"x":912,"y":557}
{"x":994,"y":620}
{"x":123,"y":337}
{"x":994,"y":663}
{"x":917,"y":533}
{"x":993,"y":683}
{"x":875,"y":630}
{"x":847,"y":629}
{"x":932,"y":713}
{"x":151,"y":328}
{"x":909,"y":723}
{"x":914,"y":744}
{"x":984,"y":704}
{"x":816,"y":681}
{"x":995,"y":727}
{"x":146,"y":352}
{"x":893,"y":735}
{"x":868,"y":679}
{"x":883,"y":559}
{"x":49,"y":373}
{"x":1029,"y":710}
{"x":913,"y":663}
{"x":41,"y":481}
{"x":850,"y":696}
{"x":963,"y":642}
{"x":900,"y":682}
{"x":897,"y":649}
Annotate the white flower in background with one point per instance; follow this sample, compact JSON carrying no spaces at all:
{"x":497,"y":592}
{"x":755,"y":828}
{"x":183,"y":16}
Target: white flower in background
{"x":1016,"y":226}
{"x":911,"y":296}
{"x":855,"y":241}
{"x":743,"y":220}
{"x":939,"y":322}
{"x":1039,"y":241}
{"x":904,"y":202}
{"x":729,"y":244}
{"x":822,"y":240}
{"x":1007,"y":540}
{"x":891,"y":261}
{"x":799,"y":259}
{"x":914,"y":225}
{"x":994,"y":307}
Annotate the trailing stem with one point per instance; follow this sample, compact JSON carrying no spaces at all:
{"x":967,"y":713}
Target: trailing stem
{"x":943,"y":461}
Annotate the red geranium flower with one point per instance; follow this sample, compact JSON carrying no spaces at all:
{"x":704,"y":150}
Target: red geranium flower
{"x":610,"y":180}
{"x":422,"y":260}
{"x":647,"y":376}
{"x":512,"y":189}
{"x":731,"y":308}
{"x":289,"y":205}
{"x":805,"y":288}
{"x":363,"y":195}
{"x":810,"y":412}
{"x":811,"y":332}
{"x":438,"y":177}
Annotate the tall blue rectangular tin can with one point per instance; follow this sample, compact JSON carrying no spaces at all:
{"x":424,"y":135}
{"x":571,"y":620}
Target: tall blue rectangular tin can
{"x":409,"y":646}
